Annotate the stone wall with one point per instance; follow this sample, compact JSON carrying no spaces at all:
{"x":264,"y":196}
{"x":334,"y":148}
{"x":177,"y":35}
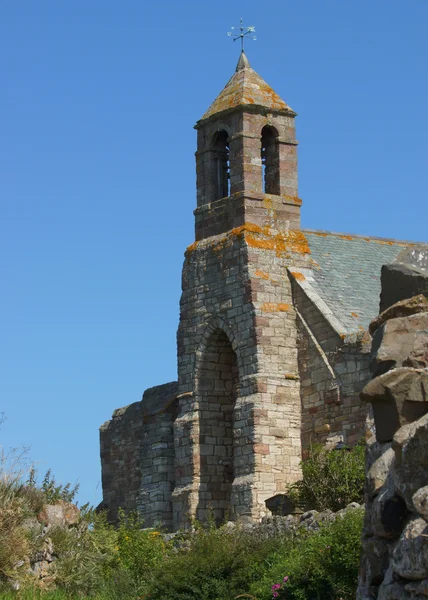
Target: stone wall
{"x":394,"y":563}
{"x":333,"y":370}
{"x":137,"y":456}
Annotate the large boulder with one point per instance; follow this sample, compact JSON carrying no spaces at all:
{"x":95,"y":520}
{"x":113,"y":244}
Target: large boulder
{"x":410,"y":556}
{"x":410,"y":445}
{"x":406,"y":277}
{"x":396,"y":340}
{"x":398,"y":397}
{"x":404,"y":308}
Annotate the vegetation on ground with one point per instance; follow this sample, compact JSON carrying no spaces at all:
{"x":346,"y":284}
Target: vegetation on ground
{"x":331,"y":479}
{"x":97,"y":561}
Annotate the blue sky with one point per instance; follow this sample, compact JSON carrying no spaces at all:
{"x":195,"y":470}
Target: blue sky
{"x":97,"y":179}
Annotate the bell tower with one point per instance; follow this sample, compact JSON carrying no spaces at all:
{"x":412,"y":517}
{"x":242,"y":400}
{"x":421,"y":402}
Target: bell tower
{"x":246,"y":159}
{"x":237,"y":430}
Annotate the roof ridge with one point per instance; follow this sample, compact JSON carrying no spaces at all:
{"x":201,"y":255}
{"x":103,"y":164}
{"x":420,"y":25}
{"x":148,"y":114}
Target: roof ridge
{"x":323,"y":232}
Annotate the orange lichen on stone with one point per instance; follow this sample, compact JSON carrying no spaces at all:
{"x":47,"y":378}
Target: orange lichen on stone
{"x":261,"y":274}
{"x":298,"y":276}
{"x":354,"y":314}
{"x":346,"y":237}
{"x":291,"y":376}
{"x":274,"y":307}
{"x":284,"y":244}
{"x":191,"y":248}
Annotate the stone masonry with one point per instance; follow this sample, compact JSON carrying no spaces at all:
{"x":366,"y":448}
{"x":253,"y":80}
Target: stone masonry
{"x":394,"y":564}
{"x":272,"y":342}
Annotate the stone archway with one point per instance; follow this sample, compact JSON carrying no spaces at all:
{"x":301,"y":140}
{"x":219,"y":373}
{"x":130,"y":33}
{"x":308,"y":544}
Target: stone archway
{"x":216,"y":385}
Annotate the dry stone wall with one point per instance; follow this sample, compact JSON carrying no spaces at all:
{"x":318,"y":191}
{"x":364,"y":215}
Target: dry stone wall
{"x":394,"y":563}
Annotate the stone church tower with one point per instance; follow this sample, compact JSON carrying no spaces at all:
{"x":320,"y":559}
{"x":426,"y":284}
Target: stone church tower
{"x":238,"y":425}
{"x":272,"y":353}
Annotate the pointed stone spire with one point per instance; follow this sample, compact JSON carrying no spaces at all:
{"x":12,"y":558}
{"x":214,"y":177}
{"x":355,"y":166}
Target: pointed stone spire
{"x":242,"y":62}
{"x":246,"y":88}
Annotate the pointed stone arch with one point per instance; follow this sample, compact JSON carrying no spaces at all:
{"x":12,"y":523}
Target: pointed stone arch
{"x":216,"y":387}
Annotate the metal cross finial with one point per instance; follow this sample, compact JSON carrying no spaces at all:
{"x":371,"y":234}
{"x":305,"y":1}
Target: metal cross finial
{"x":244,"y":31}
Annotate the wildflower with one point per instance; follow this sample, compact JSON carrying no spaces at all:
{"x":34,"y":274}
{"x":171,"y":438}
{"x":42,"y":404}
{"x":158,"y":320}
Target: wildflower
{"x":275,"y":594}
{"x":276,"y":586}
{"x":285,"y":579}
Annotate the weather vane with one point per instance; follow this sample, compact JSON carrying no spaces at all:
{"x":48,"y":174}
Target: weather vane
{"x":244,"y":31}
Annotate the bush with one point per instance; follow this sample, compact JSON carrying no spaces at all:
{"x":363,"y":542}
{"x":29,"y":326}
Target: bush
{"x":331,"y":479}
{"x":319,"y":566}
{"x":219,"y":564}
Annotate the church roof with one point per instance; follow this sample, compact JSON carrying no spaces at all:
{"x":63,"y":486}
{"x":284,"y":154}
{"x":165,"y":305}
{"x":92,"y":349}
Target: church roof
{"x":345,"y":279}
{"x":246,"y":88}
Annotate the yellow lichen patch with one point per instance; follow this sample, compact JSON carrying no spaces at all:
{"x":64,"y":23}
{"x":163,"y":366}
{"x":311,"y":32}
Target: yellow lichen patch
{"x":261,"y":274}
{"x":284,"y":244}
{"x":294,"y":200}
{"x":291,"y":376}
{"x":354,"y":314}
{"x":191,"y":248}
{"x":346,"y":237}
{"x":298,"y":276}
{"x":268,"y":202}
{"x":274,"y":307}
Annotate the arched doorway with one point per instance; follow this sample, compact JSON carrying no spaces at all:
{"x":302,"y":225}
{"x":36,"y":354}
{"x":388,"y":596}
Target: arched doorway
{"x":217,"y":385}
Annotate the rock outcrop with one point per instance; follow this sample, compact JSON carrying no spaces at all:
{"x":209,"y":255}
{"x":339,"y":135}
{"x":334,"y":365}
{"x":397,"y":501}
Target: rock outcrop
{"x":394,"y":564}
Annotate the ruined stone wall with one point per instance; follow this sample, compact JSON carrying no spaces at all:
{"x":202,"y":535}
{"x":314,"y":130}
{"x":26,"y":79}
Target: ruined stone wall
{"x":333,"y":371}
{"x":137,"y":456}
{"x":394,"y":564}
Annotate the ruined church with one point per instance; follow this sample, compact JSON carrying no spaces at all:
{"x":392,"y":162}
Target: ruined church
{"x":271,"y":343}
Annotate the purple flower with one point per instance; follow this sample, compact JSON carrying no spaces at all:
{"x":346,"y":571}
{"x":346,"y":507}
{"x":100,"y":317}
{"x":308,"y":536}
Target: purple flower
{"x":276,"y":586}
{"x":275,"y":594}
{"x":285,"y":579}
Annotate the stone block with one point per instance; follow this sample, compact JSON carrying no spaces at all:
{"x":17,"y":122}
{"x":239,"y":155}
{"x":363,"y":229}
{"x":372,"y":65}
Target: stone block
{"x":394,"y":342}
{"x":403,"y":308}
{"x":398,"y":397}
{"x":410,"y":556}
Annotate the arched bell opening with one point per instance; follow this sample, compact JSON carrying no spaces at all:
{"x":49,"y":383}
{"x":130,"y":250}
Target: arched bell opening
{"x":221,"y":165}
{"x":270,"y":160}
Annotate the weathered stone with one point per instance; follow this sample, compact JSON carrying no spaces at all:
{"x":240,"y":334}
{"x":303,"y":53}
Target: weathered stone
{"x":282,"y":505}
{"x":404,"y":308}
{"x":393,"y":591}
{"x":60,"y":514}
{"x":400,"y":281}
{"x":375,"y":551}
{"x":394,"y":341}
{"x":378,"y":472}
{"x":398,"y":397}
{"x":417,"y":589}
{"x":410,"y":556}
{"x":388,"y":512}
{"x":420,"y":502}
{"x":410,"y":445}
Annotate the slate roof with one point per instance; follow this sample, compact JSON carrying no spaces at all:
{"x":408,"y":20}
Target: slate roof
{"x":345,"y":277}
{"x":246,"y":88}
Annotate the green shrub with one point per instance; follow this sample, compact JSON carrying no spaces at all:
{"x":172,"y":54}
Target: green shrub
{"x":218,"y":564}
{"x":320,"y":566}
{"x":331,"y":479}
